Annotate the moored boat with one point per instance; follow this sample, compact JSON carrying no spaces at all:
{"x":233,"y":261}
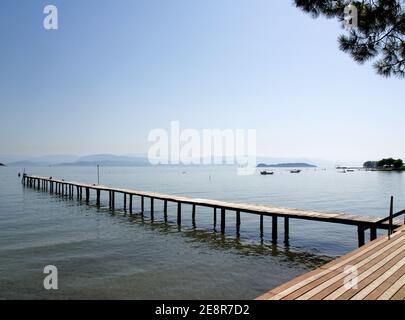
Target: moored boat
{"x":265,"y":172}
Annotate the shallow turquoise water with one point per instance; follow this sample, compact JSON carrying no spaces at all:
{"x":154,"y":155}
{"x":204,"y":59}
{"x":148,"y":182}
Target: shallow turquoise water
{"x":109,"y":256}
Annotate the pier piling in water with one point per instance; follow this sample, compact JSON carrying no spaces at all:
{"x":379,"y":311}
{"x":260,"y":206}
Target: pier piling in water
{"x":223,"y":220}
{"x":179,"y":213}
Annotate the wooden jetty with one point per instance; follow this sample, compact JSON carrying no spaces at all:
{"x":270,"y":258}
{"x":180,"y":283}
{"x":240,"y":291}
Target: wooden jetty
{"x":375,"y":271}
{"x":72,"y":189}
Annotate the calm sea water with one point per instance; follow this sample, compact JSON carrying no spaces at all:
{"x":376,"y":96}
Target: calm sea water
{"x":102,"y":255}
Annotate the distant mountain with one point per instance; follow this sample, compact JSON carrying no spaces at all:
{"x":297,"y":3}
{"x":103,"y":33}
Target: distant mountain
{"x":52,"y":159}
{"x":27,"y":164}
{"x":108,"y":160}
{"x":286,"y":165}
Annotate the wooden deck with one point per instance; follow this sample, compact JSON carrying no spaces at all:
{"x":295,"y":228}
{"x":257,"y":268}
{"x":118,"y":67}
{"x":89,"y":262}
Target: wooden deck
{"x":69,"y":188}
{"x":375,"y":271}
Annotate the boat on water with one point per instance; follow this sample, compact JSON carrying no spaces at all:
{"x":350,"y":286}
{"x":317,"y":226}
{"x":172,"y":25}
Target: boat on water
{"x":265,"y":172}
{"x":349,"y":170}
{"x":295,"y":171}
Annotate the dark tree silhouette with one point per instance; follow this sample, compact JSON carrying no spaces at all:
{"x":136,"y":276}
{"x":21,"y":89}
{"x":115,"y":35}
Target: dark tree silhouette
{"x":380,"y":33}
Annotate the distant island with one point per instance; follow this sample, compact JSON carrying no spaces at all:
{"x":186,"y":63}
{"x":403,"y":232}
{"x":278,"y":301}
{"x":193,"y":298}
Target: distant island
{"x":389,"y":164}
{"x":286,"y":165}
{"x":2,"y":165}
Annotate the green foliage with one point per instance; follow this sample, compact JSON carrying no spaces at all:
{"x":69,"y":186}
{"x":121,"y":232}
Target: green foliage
{"x":398,"y":164}
{"x":380,"y":33}
{"x":390,"y":162}
{"x":370,"y":164}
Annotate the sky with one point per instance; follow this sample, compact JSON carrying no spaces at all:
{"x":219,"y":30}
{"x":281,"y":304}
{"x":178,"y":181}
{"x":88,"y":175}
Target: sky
{"x":117,"y":69}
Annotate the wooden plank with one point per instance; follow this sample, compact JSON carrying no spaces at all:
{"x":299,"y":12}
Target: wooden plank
{"x":342,"y":275}
{"x":364,"y":281}
{"x":374,"y":285}
{"x":380,"y":267}
{"x":389,"y":288}
{"x":322,"y":271}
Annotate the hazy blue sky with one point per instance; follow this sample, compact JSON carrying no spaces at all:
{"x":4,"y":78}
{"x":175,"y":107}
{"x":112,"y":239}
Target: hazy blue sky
{"x":117,"y":69}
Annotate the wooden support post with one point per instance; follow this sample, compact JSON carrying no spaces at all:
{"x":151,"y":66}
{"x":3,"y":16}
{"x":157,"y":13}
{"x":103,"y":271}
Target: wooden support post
{"x":390,"y":228}
{"x":165,"y":210}
{"x":112,"y":200}
{"x":178,"y":213}
{"x":274,"y":229}
{"x":81,"y":193}
{"x":109,"y":199}
{"x":87,"y":195}
{"x":373,"y":233}
{"x":98,"y":197}
{"x":193,"y":216}
{"x":238,"y":223}
{"x":130,"y":203}
{"x":215,"y":218}
{"x":286,"y":230}
{"x":152,"y":208}
{"x":142,"y":205}
{"x":223,"y":220}
{"x":125,"y":202}
{"x":360,"y":233}
{"x":261,"y":226}
{"x":77,"y":192}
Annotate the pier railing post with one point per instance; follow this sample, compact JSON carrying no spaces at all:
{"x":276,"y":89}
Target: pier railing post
{"x":390,"y":228}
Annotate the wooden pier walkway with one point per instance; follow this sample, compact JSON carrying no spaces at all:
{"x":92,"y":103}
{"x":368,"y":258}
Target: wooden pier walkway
{"x":375,"y":271}
{"x":71,"y":188}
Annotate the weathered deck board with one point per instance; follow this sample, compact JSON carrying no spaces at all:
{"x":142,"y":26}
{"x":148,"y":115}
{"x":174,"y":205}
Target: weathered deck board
{"x":380,"y":275}
{"x":332,"y":217}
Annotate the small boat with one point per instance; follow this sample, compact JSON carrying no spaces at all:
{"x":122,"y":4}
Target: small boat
{"x":349,"y":170}
{"x":295,"y":171}
{"x":265,"y":172}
